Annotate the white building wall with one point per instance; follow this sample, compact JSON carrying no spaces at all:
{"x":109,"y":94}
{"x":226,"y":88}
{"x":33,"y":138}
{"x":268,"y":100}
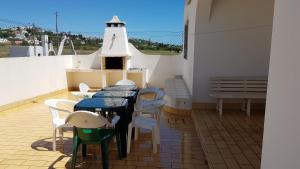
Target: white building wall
{"x":188,"y":64}
{"x":232,"y":38}
{"x":281,"y":143}
{"x":28,"y":77}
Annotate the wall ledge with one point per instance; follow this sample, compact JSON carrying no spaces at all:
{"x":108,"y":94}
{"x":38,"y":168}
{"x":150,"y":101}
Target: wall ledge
{"x":29,"y":100}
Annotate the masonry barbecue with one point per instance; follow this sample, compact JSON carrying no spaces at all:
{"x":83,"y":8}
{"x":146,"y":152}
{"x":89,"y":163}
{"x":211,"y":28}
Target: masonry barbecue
{"x":115,"y":51}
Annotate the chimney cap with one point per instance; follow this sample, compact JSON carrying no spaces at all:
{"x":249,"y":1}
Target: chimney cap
{"x":115,"y":20}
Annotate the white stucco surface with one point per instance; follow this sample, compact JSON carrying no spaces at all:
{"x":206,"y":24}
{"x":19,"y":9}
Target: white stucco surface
{"x":232,"y":38}
{"x":188,"y":64}
{"x":159,"y":67}
{"x":115,"y":42}
{"x":28,"y":77}
{"x":281,"y":148}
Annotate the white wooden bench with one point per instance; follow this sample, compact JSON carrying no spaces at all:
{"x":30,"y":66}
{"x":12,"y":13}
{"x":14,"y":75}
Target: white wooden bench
{"x":246,"y":88}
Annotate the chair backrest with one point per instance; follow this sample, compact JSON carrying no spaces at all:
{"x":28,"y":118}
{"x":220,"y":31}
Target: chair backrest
{"x":125,"y":82}
{"x":86,"y":119}
{"x":159,"y":94}
{"x":88,"y":126}
{"x":83,"y":87}
{"x":54,"y":108}
{"x":152,"y":105}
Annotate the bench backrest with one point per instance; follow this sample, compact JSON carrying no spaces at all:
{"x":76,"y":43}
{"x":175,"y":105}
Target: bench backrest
{"x":239,"y":84}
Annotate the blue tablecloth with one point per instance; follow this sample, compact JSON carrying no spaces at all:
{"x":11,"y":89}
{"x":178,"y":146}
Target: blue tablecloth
{"x":121,"y":88}
{"x":131,"y":96}
{"x":118,"y":105}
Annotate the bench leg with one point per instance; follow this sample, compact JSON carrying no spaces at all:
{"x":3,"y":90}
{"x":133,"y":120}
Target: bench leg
{"x":220,"y":107}
{"x":244,"y":104}
{"x":248,"y":107}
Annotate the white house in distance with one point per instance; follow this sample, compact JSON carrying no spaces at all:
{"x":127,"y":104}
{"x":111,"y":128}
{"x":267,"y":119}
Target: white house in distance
{"x":3,"y":41}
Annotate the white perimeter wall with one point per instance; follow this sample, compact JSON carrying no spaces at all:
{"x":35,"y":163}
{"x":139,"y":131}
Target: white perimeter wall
{"x":281,"y":144}
{"x":159,"y":67}
{"x":232,"y":38}
{"x":27,"y":77}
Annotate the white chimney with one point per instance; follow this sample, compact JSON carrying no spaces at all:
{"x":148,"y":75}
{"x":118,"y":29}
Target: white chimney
{"x":115,"y":42}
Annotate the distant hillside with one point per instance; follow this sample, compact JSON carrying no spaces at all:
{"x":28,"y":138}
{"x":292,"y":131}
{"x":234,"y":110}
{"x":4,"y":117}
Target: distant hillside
{"x":148,"y":45}
{"x":25,"y":36}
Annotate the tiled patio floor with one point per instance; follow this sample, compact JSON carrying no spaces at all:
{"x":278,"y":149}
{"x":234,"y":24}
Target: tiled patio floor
{"x":25,"y":142}
{"x":232,"y":141}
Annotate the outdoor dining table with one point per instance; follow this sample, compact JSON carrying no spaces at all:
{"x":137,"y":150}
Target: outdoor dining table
{"x":118,"y":105}
{"x":121,"y":88}
{"x":131,"y":96}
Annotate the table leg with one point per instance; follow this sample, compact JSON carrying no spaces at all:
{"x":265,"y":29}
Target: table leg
{"x":83,"y":150}
{"x":123,"y":139}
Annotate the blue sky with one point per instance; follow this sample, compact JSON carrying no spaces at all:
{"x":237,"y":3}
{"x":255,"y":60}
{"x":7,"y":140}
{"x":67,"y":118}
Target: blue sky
{"x":89,"y":16}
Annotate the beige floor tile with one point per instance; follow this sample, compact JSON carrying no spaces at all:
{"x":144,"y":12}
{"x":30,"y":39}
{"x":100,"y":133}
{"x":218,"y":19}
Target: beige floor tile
{"x":29,"y":130}
{"x":233,"y":140}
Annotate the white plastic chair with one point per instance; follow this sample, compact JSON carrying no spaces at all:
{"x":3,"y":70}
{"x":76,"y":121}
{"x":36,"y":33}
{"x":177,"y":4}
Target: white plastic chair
{"x":159,"y":94}
{"x":83,"y":92}
{"x":139,"y":121}
{"x":86,"y":119}
{"x":84,"y":88}
{"x":58,"y":123}
{"x":79,"y":95}
{"x":145,"y":105}
{"x":125,"y":82}
{"x":84,"y":122}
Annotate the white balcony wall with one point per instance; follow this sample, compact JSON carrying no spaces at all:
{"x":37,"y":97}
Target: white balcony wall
{"x":28,"y":77}
{"x":92,"y":61}
{"x":232,"y":38}
{"x":281,"y":144}
{"x":159,"y":67}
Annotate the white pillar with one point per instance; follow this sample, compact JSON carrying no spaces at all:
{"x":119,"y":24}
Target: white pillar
{"x":281,"y":143}
{"x":45,"y":45}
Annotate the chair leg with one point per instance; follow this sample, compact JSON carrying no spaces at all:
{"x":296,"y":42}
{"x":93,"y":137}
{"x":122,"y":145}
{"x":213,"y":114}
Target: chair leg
{"x":61,"y":135}
{"x":54,"y":140}
{"x":129,"y":137}
{"x":76,"y":144}
{"x":104,"y":150}
{"x":154,"y":133}
{"x":158,"y":133}
{"x":136,"y":133}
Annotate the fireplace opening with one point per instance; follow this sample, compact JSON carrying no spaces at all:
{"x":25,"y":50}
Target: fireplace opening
{"x":114,"y":63}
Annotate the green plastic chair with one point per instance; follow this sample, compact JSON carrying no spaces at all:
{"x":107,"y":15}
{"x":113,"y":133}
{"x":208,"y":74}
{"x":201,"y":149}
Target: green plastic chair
{"x":91,"y":128}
